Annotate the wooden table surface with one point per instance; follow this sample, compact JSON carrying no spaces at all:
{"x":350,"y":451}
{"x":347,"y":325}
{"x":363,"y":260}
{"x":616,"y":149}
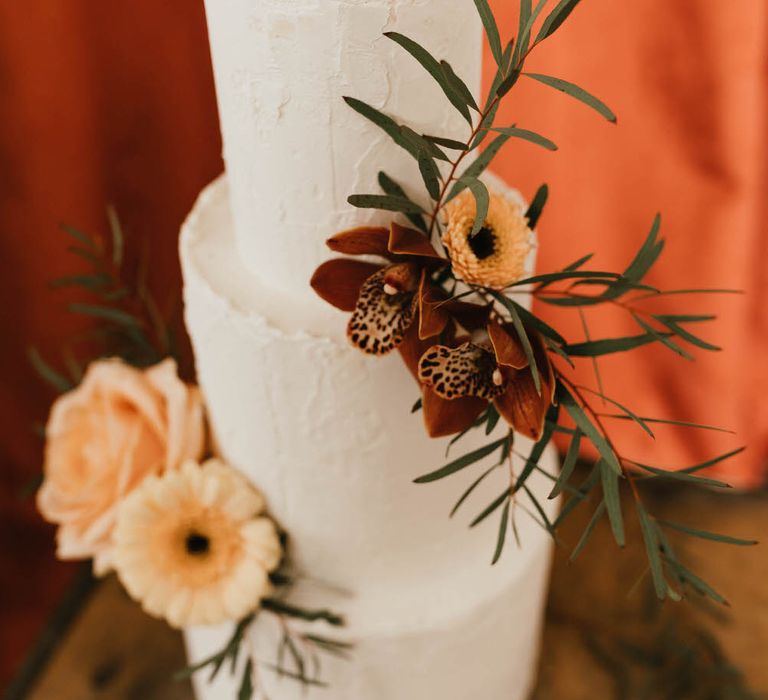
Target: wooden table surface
{"x":112,"y":650}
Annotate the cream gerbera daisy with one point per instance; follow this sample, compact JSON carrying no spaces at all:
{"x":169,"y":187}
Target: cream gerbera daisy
{"x":193,"y":546}
{"x":495,"y":256}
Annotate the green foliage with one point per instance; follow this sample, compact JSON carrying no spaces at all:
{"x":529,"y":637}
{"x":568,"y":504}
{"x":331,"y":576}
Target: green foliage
{"x":575,"y":91}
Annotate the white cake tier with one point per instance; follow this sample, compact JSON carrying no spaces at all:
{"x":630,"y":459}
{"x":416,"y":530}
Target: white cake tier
{"x":294,"y":150}
{"x":326,"y":432}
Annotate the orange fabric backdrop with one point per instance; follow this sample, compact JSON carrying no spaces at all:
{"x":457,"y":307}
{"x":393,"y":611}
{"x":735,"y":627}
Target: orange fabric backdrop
{"x":102,"y":102}
{"x":688,"y":82}
{"x":113,"y":102}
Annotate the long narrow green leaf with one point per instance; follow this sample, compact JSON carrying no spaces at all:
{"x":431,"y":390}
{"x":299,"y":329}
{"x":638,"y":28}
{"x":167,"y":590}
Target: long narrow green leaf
{"x":491,"y":508}
{"x":393,"y":188}
{"x":569,"y":464}
{"x":106,"y":313}
{"x":461,"y":462}
{"x":503,"y":527}
{"x":478,"y":166}
{"x":704,"y":535}
{"x":527,"y":347}
{"x":556,"y":18}
{"x":711,"y":462}
{"x":482,"y":202}
{"x":430,"y":174}
{"x":529,"y":318}
{"x":47,"y":373}
{"x":90,"y":282}
{"x":662,"y":337}
{"x":537,"y":206}
{"x":610,"y":481}
{"x":681,"y":423}
{"x":630,"y":414}
{"x":549,"y":277}
{"x":459,"y":85}
{"x":699,"y":584}
{"x":588,"y":428}
{"x":685,"y":334}
{"x":588,"y":531}
{"x":608,"y":346}
{"x":385,"y":202}
{"x":527,"y":135}
{"x":451,"y":144}
{"x":581,"y":494}
{"x":471,"y":488}
{"x":538,"y":448}
{"x":525,"y":29}
{"x":648,"y":529}
{"x":80,"y":236}
{"x":384,"y":122}
{"x":682,"y":476}
{"x":576,"y":92}
{"x":118,"y":238}
{"x":491,"y":29}
{"x":433,"y":67}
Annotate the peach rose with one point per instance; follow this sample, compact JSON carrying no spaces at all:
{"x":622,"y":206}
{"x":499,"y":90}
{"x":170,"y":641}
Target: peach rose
{"x":118,"y":426}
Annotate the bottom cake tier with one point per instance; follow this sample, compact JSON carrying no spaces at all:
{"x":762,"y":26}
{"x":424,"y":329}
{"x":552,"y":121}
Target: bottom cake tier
{"x":328,"y":435}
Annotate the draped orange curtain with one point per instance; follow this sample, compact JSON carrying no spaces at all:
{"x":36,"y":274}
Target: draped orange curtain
{"x":113,"y":102}
{"x":102,"y":102}
{"x":689,"y":83}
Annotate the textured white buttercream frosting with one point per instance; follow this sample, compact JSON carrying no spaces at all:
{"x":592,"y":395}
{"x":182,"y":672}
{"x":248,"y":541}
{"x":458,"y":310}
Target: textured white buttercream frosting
{"x":294,"y":151}
{"x":325,"y":431}
{"x":327,"y":434}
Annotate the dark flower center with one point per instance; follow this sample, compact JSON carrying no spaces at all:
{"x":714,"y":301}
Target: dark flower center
{"x":483,"y":243}
{"x":197,"y":544}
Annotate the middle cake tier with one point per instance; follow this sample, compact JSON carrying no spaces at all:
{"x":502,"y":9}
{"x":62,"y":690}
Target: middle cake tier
{"x":327,"y":433}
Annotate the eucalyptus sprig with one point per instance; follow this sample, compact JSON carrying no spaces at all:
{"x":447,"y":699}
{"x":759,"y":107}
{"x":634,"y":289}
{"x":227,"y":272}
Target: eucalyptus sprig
{"x":446,"y":169}
{"x":298,"y":655}
{"x":127,"y":320}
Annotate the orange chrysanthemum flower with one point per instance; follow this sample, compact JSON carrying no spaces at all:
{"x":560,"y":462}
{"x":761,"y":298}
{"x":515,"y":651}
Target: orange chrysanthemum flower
{"x":495,"y":256}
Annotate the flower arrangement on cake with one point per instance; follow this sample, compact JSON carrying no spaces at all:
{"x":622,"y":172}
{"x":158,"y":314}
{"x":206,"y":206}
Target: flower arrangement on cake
{"x":133,"y":479}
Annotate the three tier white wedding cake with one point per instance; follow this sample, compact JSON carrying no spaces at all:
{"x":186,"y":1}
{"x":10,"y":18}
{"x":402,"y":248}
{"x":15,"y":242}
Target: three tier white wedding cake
{"x":325,"y":431}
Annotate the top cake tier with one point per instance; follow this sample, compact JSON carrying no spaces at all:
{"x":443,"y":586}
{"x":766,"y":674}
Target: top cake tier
{"x":294,"y":151}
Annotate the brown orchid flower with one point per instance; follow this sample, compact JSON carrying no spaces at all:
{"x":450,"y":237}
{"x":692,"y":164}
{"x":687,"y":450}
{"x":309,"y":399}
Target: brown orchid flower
{"x":385,"y":299}
{"x":499,"y":373}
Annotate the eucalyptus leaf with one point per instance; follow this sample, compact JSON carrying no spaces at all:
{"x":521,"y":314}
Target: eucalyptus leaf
{"x":385,"y":202}
{"x":482,"y":201}
{"x":433,"y":67}
{"x":491,"y":508}
{"x":575,"y":91}
{"x":650,"y":537}
{"x":662,"y":337}
{"x":430,"y":174}
{"x":588,"y":531}
{"x":451,"y":144}
{"x":468,"y":492}
{"x":478,"y":166}
{"x":526,"y":135}
{"x":462,"y":462}
{"x":588,"y":428}
{"x":527,"y":347}
{"x":556,"y":18}
{"x":537,"y":206}
{"x":611,"y":495}
{"x":459,"y":85}
{"x":569,"y":464}
{"x":704,"y":535}
{"x":106,"y":313}
{"x":503,"y":527}
{"x":58,"y":381}
{"x":491,"y":29}
{"x":608,"y":346}
{"x":393,"y":188}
